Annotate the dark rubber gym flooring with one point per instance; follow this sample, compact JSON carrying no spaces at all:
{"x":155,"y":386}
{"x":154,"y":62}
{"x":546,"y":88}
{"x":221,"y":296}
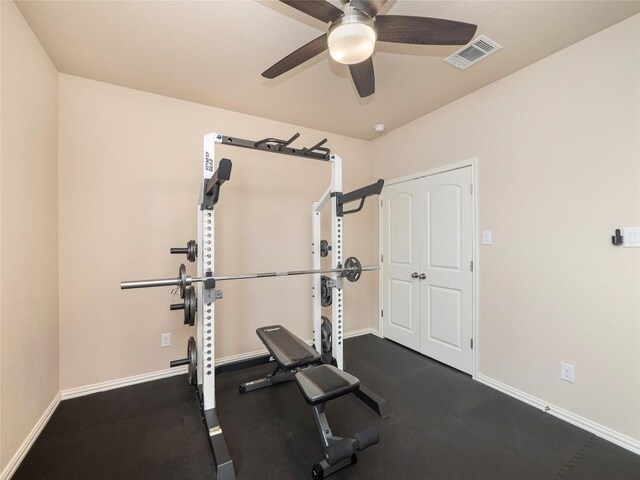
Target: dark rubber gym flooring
{"x":444,"y":426}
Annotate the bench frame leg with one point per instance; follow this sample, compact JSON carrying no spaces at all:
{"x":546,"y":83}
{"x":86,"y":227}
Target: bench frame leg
{"x":323,"y":469}
{"x":278,"y":376}
{"x":328,"y":438}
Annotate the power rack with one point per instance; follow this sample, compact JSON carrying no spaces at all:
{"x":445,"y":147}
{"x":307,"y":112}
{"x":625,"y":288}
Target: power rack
{"x":201,"y":352}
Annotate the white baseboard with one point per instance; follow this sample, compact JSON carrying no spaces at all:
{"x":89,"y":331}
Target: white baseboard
{"x":17,"y":458}
{"x":363,"y":331}
{"x":618,"y":438}
{"x":170,"y":372}
{"x":121,"y":382}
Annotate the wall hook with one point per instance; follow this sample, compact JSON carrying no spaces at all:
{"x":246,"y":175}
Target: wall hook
{"x":617,"y":239}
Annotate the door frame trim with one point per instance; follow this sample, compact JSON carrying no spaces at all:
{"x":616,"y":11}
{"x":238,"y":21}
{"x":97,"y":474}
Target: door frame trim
{"x":473,"y":163}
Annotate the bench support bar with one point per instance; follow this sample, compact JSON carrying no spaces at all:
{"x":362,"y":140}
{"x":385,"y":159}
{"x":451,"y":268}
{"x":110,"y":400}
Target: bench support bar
{"x":374,"y":401}
{"x":278,"y":376}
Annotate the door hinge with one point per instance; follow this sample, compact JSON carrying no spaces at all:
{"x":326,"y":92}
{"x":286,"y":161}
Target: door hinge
{"x":472,"y":344}
{"x":382,"y":313}
{"x":381,"y":258}
{"x":472,"y":265}
{"x":471,"y":188}
{"x":381,"y":202}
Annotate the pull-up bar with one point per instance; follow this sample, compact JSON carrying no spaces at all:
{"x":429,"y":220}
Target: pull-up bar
{"x":276,"y":145}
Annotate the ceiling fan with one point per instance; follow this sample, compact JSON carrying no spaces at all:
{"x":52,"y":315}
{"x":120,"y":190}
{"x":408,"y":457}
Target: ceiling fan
{"x":353,"y":33}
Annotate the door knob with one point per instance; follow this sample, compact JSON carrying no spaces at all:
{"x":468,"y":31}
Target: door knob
{"x":422,"y":276}
{"x":415,"y":275}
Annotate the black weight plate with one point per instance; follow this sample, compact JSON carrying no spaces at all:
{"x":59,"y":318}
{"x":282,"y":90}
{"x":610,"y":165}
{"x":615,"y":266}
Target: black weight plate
{"x":325,"y":292}
{"x":192,"y":250}
{"x":182,"y":279}
{"x":354,"y":269}
{"x":192,"y":355}
{"x":325,"y":334}
{"x":193,"y":310}
{"x":190,"y":306}
{"x":324,"y":248}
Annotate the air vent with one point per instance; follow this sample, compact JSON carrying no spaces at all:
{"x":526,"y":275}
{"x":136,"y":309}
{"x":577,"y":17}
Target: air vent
{"x":472,"y":53}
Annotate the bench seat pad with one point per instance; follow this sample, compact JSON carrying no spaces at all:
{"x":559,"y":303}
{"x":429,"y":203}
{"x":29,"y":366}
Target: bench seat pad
{"x":325,"y":382}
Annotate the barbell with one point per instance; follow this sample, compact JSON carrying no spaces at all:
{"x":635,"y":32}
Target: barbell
{"x":351,"y":270}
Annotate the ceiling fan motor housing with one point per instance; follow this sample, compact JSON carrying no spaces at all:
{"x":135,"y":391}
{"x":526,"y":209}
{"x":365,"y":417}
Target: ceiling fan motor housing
{"x":352,"y":37}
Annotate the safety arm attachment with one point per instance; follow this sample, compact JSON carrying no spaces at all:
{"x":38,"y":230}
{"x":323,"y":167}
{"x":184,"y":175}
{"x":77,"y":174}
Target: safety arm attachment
{"x":359,"y":194}
{"x":211,"y":192}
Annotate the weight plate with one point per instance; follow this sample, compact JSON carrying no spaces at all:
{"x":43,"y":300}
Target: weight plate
{"x":325,"y":334}
{"x":325,"y":292}
{"x":182,"y":279}
{"x":192,"y":355}
{"x":187,"y":305}
{"x":324,"y":248}
{"x":354,"y":269}
{"x":190,"y":306}
{"x":192,"y":250}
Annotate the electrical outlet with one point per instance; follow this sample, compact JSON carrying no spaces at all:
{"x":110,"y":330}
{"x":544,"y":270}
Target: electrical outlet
{"x":165,"y":339}
{"x":567,"y":372}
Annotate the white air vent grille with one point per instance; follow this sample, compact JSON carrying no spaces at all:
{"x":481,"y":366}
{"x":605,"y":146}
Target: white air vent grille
{"x":472,"y":53}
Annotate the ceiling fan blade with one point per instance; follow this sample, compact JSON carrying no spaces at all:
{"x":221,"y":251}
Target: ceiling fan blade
{"x":423,"y":30}
{"x":363,"y":77}
{"x":301,"y":55}
{"x":319,"y":9}
{"x":370,"y":7}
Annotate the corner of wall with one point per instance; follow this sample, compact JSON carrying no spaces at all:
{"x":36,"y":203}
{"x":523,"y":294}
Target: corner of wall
{"x":29,"y":227}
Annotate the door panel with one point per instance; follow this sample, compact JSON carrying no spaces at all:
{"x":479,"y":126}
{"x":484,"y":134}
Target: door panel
{"x":445,"y":304}
{"x":401,"y":259}
{"x":400,"y":301}
{"x":400,"y":222}
{"x":446,"y":292}
{"x":443,"y":228}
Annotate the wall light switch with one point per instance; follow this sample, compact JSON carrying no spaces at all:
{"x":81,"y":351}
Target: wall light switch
{"x":486,"y":237}
{"x":165,"y":339}
{"x":631,"y":236}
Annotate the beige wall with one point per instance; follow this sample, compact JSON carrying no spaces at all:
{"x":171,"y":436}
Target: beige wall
{"x":130,"y":166}
{"x":29,"y":223}
{"x":559,"y":170}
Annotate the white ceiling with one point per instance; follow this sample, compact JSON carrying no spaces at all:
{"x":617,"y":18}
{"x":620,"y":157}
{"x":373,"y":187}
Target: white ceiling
{"x":214,"y":52}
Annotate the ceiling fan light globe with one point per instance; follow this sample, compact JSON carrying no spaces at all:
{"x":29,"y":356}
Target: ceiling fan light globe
{"x":351,"y":43}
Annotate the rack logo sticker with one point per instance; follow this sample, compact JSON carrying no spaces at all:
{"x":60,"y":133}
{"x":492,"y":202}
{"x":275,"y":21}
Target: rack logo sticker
{"x":208,"y":162}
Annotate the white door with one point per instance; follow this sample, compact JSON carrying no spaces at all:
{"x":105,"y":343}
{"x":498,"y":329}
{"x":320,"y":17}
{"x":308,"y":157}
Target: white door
{"x":446,"y":292}
{"x":427,"y":291}
{"x":401,"y":260}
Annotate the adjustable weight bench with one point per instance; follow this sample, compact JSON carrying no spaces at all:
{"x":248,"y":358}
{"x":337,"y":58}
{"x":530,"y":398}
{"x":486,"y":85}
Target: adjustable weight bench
{"x":290,"y":353}
{"x":318,"y":383}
